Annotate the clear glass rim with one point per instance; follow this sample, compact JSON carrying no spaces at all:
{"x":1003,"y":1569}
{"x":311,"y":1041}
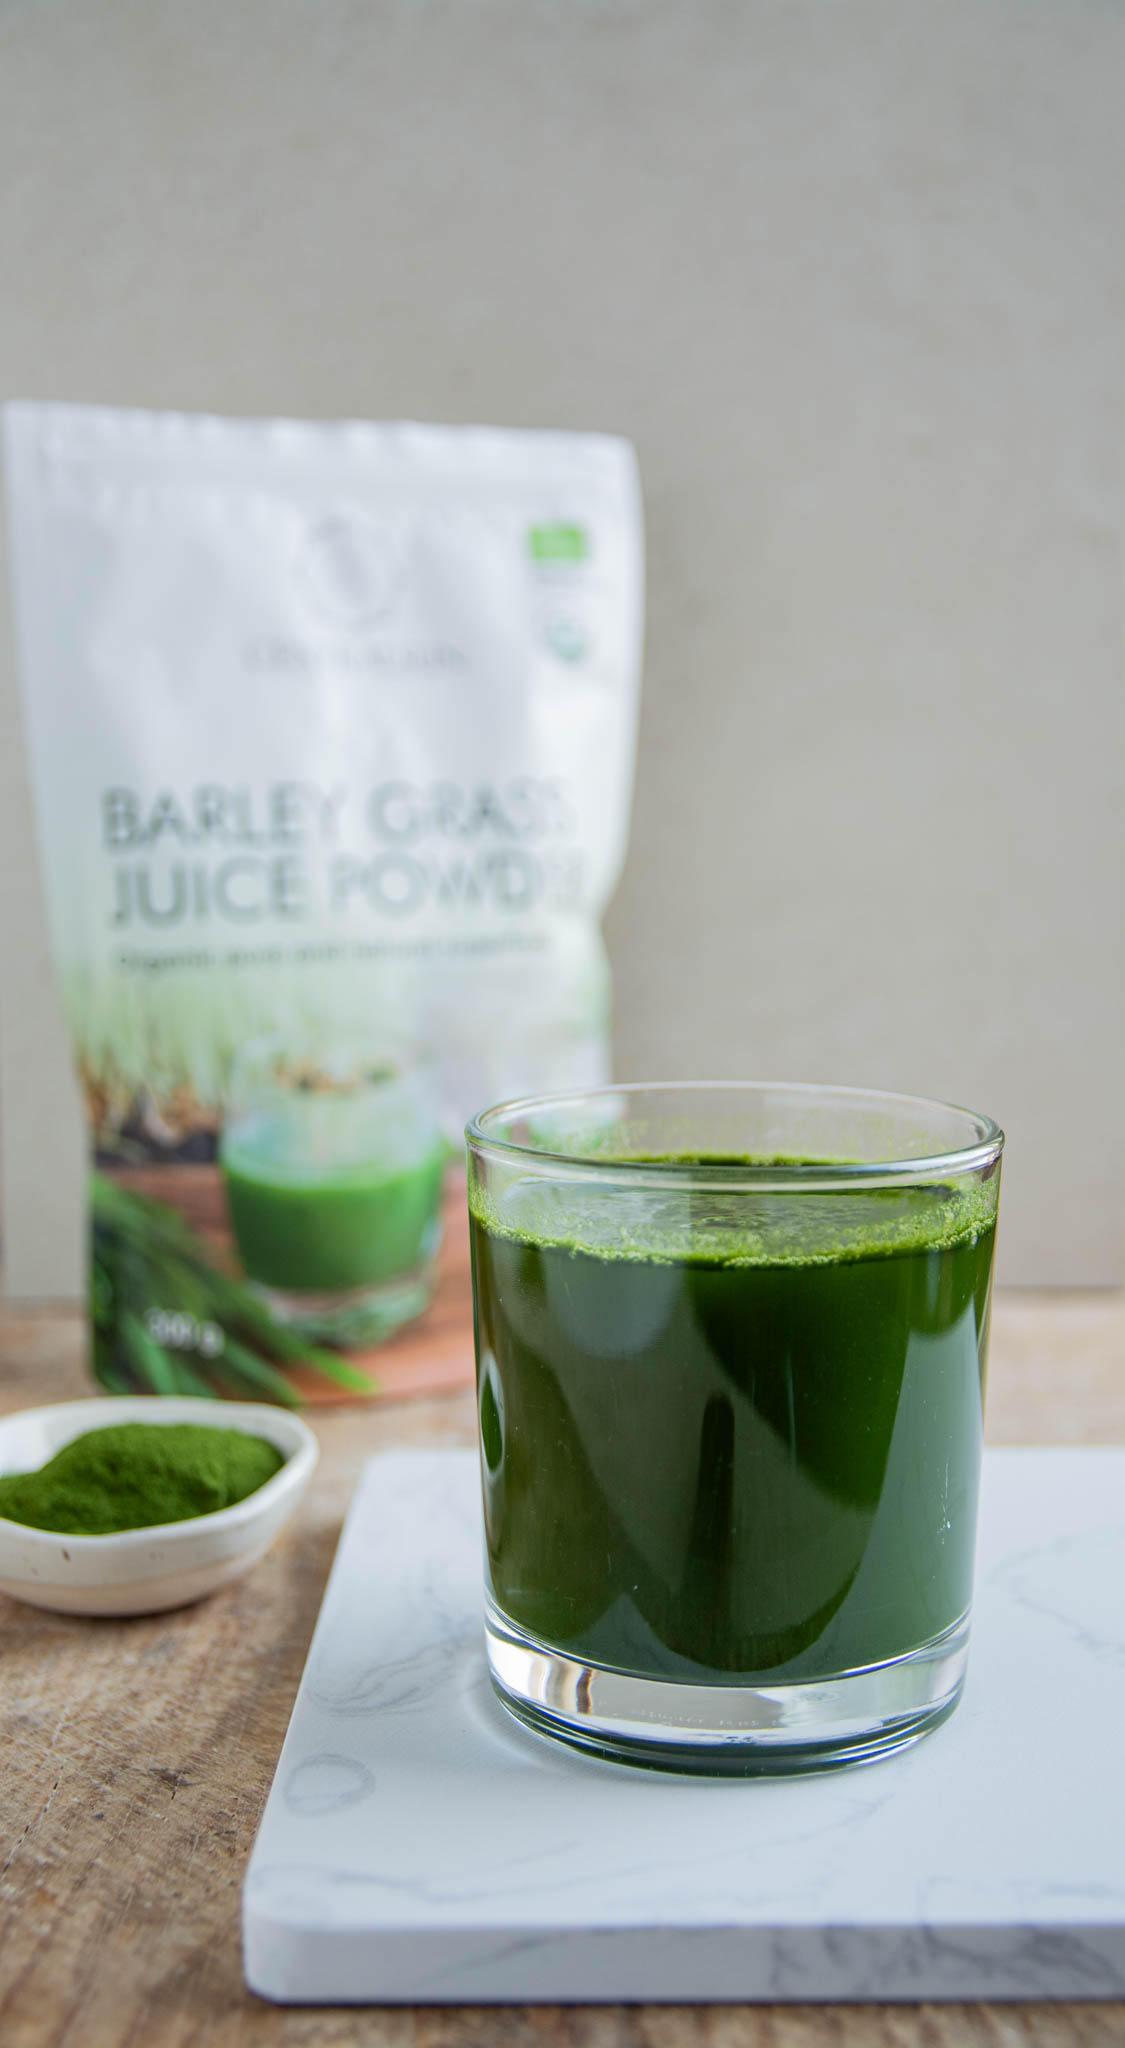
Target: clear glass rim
{"x":976,"y":1157}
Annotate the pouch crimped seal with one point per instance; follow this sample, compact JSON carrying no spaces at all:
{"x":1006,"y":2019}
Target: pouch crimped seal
{"x":331,"y":730}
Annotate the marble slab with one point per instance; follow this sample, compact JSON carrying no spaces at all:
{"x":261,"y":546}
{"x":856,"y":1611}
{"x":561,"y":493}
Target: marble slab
{"x":420,"y":1846}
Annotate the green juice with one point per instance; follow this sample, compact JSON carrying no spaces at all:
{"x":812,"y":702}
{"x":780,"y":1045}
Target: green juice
{"x":731,"y":1435}
{"x":334,"y":1189}
{"x":330,"y":1232}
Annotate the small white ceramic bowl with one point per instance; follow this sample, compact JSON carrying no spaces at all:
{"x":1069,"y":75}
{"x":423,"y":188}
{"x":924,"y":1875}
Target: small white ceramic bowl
{"x":142,"y":1571}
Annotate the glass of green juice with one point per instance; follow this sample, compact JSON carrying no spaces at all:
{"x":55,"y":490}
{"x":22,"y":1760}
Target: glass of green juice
{"x":731,"y":1351}
{"x":333,"y":1162}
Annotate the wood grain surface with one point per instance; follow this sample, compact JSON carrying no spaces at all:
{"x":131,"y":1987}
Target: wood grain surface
{"x":136,"y":1756}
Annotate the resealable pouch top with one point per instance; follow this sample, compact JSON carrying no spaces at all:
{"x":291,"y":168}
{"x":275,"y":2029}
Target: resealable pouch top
{"x":331,"y":730}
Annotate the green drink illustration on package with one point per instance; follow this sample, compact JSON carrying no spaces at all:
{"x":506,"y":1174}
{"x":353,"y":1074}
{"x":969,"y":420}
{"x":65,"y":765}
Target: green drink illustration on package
{"x":331,"y":731}
{"x":333,"y":1172}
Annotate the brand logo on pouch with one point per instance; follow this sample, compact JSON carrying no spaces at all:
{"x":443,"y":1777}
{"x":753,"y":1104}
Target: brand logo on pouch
{"x":351,"y":575}
{"x":351,"y":569}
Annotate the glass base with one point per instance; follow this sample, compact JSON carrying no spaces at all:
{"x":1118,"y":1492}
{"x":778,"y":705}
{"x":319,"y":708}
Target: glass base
{"x":358,"y":1316}
{"x":747,"y":1730}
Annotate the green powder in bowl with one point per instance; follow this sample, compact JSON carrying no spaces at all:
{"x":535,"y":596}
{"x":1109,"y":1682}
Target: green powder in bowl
{"x":137,"y":1475}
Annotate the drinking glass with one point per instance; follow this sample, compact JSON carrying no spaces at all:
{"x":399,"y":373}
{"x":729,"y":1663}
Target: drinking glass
{"x":332,"y":1161}
{"x":731,"y":1348}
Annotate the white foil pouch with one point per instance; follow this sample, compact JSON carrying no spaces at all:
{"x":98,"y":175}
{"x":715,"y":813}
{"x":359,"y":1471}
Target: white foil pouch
{"x":331,"y":730}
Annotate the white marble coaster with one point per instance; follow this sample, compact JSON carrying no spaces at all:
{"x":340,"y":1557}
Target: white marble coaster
{"x":419,"y":1846}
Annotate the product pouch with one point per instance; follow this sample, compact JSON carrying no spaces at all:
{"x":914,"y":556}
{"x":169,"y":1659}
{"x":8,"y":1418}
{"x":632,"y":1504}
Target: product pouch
{"x":331,"y":730}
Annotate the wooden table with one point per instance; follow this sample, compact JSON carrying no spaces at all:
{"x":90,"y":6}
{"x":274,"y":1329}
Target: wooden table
{"x":137,"y":1754}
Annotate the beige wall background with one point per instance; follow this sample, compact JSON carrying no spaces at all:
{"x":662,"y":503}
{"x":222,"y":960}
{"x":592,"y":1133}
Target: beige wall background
{"x":851,"y":278}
